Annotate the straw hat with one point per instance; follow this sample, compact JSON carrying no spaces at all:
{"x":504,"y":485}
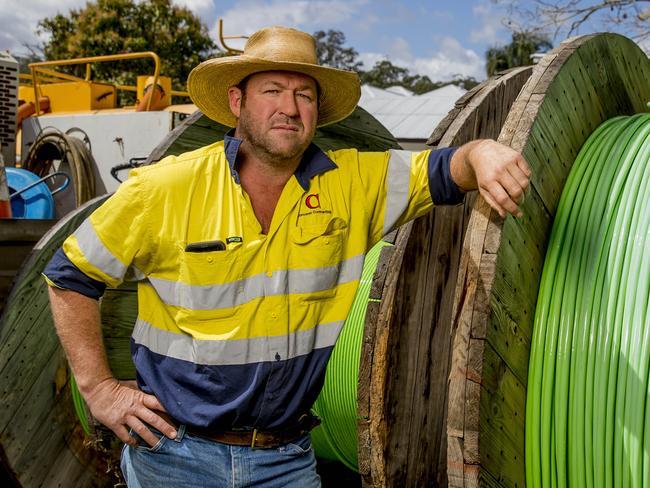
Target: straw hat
{"x":270,"y":49}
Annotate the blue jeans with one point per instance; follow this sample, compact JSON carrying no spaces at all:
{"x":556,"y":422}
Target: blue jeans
{"x":191,"y":461}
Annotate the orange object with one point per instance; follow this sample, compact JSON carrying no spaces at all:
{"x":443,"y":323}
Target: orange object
{"x":27,"y":109}
{"x":157,"y":101}
{"x":5,"y":205}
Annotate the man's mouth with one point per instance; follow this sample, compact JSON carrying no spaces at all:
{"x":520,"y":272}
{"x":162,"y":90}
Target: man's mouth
{"x":289,"y":127}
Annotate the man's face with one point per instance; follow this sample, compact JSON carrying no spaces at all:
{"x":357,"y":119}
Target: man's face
{"x":277,"y":114}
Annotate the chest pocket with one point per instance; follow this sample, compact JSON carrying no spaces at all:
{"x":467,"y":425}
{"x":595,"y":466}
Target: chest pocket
{"x":316,"y":252}
{"x":210,"y":285}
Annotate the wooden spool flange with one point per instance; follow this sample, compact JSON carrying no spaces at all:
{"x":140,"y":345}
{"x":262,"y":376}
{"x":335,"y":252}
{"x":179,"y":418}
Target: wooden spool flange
{"x":407,"y":339}
{"x":573,"y":89}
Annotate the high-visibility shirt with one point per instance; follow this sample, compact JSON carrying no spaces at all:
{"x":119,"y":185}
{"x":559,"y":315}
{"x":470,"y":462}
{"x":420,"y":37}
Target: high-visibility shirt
{"x":235,"y":327}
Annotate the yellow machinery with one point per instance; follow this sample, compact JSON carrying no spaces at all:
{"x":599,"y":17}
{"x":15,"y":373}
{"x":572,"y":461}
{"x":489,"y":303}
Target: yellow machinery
{"x":68,"y":93}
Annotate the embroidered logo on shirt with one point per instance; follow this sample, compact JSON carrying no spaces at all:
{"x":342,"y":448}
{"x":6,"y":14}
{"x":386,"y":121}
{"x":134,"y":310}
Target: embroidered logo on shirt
{"x":230,"y":240}
{"x":313,"y":201}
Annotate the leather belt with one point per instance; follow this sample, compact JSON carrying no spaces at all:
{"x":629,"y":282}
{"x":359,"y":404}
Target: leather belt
{"x":254,"y":438}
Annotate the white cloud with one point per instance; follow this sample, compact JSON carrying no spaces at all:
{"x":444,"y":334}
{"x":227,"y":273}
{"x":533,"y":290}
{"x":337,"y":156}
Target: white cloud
{"x":18,"y":24}
{"x":249,"y":16}
{"x":491,"y":21}
{"x":206,"y":9}
{"x":449,"y":60}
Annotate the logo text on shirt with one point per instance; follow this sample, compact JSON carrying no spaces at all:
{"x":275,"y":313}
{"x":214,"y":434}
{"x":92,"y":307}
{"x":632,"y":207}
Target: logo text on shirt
{"x":313,"y":201}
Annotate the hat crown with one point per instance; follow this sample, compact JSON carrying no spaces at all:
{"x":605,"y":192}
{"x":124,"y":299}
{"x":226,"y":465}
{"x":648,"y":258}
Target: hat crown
{"x":282,"y":44}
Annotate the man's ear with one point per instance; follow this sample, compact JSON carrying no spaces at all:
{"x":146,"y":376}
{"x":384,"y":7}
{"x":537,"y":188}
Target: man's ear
{"x":234,"y":100}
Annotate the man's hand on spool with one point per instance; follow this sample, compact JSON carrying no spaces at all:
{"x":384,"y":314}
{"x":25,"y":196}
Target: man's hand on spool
{"x":120,"y":406}
{"x":499,"y":173}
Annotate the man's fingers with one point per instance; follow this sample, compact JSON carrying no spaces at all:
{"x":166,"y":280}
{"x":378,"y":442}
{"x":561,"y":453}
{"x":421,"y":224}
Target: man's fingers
{"x":503,"y":201}
{"x":520,"y":177}
{"x":522,"y":164}
{"x":152,"y":403}
{"x":513,"y":187}
{"x":143,"y":431}
{"x":486,"y":195}
{"x":156,"y":421}
{"x":120,"y":406}
{"x":123,"y":433}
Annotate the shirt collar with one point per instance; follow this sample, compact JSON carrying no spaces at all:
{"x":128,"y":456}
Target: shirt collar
{"x":314,"y":161}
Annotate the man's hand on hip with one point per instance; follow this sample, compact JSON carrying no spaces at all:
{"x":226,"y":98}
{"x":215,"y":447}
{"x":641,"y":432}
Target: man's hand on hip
{"x":120,"y":406}
{"x":499,"y":173}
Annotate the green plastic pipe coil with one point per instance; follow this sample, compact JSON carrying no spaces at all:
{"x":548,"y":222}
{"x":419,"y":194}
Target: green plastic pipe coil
{"x":587,"y":408}
{"x":336,"y":437}
{"x":79,"y":405}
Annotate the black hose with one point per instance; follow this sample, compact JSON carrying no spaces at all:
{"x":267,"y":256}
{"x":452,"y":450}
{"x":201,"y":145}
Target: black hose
{"x":52,"y":145}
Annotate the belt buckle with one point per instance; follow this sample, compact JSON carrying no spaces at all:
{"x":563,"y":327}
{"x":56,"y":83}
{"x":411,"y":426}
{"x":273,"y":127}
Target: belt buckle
{"x":253,"y":438}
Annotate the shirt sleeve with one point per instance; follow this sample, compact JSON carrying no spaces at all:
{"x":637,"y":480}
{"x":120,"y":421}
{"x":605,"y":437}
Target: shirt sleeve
{"x":60,"y":272}
{"x":113,"y":241}
{"x":401,"y":185}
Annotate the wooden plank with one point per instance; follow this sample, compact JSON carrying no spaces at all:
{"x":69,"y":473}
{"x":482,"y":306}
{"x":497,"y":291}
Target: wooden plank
{"x":377,"y":411}
{"x":365,"y":362}
{"x":455,"y":470}
{"x":18,"y":374}
{"x":502,"y":431}
{"x":29,"y":360}
{"x":33,"y":436}
{"x":420,"y":362}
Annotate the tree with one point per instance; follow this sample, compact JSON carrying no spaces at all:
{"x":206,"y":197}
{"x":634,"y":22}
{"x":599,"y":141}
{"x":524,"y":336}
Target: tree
{"x":517,"y":53}
{"x":384,"y":74}
{"x":125,"y":26}
{"x":562,"y":18}
{"x":330,"y":51}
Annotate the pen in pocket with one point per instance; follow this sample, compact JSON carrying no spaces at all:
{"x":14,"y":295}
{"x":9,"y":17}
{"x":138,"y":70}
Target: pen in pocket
{"x":206,"y":246}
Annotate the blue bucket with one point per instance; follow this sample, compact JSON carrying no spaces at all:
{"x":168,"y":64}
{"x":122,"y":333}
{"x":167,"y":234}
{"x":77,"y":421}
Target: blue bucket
{"x":34,"y":203}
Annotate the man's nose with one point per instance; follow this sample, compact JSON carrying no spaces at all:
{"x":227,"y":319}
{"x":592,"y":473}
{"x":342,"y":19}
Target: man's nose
{"x":289,"y":104}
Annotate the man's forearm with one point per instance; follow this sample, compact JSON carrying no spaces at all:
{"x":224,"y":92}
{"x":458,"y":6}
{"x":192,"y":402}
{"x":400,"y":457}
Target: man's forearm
{"x":77,"y":322}
{"x":116,"y":405}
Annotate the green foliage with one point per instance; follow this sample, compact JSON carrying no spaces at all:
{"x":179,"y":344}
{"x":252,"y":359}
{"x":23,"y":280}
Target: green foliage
{"x":126,"y":26}
{"x":331,"y":51}
{"x":517,"y":53}
{"x":385,"y":74}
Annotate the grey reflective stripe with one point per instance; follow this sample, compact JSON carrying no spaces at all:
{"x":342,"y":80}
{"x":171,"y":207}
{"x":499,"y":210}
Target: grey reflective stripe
{"x":236,"y":351}
{"x":397,"y":187}
{"x":284,"y":282}
{"x":97,"y":253}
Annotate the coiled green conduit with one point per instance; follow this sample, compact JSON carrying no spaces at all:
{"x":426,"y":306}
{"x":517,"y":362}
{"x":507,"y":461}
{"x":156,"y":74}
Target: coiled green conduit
{"x":336,"y":437}
{"x":587,"y":414}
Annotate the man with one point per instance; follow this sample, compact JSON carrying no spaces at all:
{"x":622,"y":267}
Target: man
{"x":248,"y":254}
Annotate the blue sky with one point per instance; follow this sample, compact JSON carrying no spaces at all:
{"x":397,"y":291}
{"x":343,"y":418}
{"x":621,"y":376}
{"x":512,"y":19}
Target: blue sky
{"x":434,"y":38}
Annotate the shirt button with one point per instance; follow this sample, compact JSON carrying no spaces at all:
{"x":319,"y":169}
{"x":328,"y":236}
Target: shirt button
{"x":327,"y":241}
{"x":210,"y":259}
{"x":274,"y":315}
{"x":269,"y":274}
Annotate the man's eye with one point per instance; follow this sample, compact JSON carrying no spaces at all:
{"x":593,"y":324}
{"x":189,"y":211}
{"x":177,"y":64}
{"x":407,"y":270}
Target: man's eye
{"x":305,"y":96}
{"x":272,"y":91}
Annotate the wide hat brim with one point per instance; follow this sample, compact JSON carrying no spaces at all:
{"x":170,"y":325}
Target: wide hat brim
{"x":208,"y":85}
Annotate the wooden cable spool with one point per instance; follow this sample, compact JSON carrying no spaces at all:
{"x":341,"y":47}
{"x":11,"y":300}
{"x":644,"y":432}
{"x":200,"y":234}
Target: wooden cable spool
{"x":407,"y":338}
{"x":573,"y":89}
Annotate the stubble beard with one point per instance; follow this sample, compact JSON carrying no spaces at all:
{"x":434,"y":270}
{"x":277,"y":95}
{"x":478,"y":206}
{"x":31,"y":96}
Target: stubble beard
{"x":266,"y":147}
